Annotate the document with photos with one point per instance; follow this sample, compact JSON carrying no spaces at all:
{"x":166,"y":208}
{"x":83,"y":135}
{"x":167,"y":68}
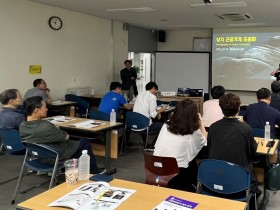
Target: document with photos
{"x":87,"y":124}
{"x":173,"y":202}
{"x":59,"y":119}
{"x":95,"y":195}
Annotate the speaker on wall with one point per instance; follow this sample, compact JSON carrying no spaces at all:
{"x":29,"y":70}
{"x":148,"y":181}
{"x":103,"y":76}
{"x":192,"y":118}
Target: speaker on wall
{"x":161,"y":36}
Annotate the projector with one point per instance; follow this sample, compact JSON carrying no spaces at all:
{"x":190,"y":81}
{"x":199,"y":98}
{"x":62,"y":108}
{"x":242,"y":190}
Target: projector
{"x":208,"y":1}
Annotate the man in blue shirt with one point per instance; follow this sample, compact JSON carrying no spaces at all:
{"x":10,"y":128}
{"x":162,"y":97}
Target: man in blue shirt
{"x":113,"y":99}
{"x":259,"y":113}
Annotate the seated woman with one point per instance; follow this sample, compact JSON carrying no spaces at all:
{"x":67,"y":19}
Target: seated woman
{"x":10,"y":116}
{"x":182,"y":138}
{"x":231,"y":140}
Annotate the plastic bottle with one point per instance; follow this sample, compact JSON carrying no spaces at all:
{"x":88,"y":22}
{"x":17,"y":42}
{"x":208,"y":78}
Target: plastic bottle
{"x":125,"y":96}
{"x":112,"y":117}
{"x":84,"y":162}
{"x":267,"y":131}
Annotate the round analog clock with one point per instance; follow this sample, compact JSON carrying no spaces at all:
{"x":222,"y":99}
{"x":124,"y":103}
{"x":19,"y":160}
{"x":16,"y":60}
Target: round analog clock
{"x":55,"y":23}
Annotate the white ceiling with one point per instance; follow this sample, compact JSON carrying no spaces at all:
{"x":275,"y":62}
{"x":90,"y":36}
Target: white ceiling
{"x":177,"y":14}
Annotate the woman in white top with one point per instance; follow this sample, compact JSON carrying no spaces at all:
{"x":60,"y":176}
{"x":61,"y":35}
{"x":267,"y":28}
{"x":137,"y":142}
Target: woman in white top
{"x":182,"y":138}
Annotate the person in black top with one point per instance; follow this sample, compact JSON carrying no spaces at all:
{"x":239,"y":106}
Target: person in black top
{"x":128,"y":77}
{"x":275,"y":97}
{"x":276,"y":73}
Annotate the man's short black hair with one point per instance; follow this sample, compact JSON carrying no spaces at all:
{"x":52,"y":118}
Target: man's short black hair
{"x":275,"y":87}
{"x":115,"y":85}
{"x":128,"y":61}
{"x":151,"y":85}
{"x":31,"y":103}
{"x":37,"y":82}
{"x":8,"y":95}
{"x":217,"y":91}
{"x":263,"y":93}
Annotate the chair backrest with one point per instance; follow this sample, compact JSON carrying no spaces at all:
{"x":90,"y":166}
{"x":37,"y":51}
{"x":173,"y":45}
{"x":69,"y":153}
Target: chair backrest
{"x":40,"y":150}
{"x":160,"y":170}
{"x":82,"y":105}
{"x":98,"y":115}
{"x":12,"y":142}
{"x":222,"y":177}
{"x":136,"y":121}
{"x":258,"y":132}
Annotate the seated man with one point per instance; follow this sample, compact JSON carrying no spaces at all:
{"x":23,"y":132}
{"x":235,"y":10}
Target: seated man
{"x":259,"y":113}
{"x":212,"y":112}
{"x":10,"y":116}
{"x":113,"y":99}
{"x":40,"y":89}
{"x":275,"y":97}
{"x":36,"y":130}
{"x":146,"y":104}
{"x":231,"y":140}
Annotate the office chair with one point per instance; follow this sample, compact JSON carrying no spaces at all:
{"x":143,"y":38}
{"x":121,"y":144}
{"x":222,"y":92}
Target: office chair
{"x":98,"y":115}
{"x":258,"y":132}
{"x":160,"y":170}
{"x":33,"y":160}
{"x":138,"y":123}
{"x":82,"y":107}
{"x":11,"y":142}
{"x":224,"y":179}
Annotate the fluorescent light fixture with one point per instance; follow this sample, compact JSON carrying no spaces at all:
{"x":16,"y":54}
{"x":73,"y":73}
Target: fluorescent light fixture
{"x":140,"y":9}
{"x":182,"y":26}
{"x":246,"y":24}
{"x":220,"y":5}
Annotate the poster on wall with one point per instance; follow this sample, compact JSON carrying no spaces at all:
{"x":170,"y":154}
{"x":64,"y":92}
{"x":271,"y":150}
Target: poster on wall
{"x":35,"y":69}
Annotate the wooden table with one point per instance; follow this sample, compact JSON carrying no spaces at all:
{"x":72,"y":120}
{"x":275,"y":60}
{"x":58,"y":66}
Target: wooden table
{"x":106,"y":128}
{"x":146,"y":197}
{"x":61,"y":108}
{"x":197,"y":100}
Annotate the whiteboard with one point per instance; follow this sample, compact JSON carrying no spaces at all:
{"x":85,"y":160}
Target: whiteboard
{"x":182,"y":69}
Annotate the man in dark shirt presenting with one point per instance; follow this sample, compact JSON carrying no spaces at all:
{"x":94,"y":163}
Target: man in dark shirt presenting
{"x":276,"y":73}
{"x":128,"y":77}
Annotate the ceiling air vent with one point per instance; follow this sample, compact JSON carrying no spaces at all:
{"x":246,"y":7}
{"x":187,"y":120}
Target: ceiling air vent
{"x":234,"y":17}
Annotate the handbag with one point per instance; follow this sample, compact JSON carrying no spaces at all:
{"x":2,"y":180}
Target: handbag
{"x":272,"y":178}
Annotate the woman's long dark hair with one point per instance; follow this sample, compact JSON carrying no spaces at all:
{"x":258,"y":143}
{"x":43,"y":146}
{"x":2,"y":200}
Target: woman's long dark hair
{"x":185,"y":118}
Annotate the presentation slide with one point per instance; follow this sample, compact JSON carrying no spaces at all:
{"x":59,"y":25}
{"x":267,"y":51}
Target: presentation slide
{"x":243,"y":59}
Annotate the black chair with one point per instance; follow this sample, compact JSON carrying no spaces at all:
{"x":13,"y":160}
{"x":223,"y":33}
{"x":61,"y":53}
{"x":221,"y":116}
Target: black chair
{"x":12,"y":145}
{"x":98,"y":115}
{"x":82,"y":107}
{"x":33,"y":161}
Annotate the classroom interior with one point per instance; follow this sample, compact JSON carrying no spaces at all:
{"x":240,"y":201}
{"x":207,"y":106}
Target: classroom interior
{"x":88,"y":52}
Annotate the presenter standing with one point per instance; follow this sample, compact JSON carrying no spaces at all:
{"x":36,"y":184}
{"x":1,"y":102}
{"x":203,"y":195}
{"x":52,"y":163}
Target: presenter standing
{"x":128,"y":77}
{"x":276,"y":73}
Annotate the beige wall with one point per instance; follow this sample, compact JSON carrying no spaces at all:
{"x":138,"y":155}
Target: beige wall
{"x":183,"y":41}
{"x":81,"y":54}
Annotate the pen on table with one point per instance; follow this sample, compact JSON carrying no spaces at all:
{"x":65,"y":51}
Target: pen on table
{"x":100,"y":196}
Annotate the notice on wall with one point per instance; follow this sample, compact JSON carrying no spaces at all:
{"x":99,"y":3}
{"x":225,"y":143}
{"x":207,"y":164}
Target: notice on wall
{"x":35,"y":69}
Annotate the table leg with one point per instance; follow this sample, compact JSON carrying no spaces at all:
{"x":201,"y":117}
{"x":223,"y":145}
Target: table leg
{"x":265,"y":198}
{"x":108,"y":168}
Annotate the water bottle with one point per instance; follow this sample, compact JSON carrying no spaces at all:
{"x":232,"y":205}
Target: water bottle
{"x":267,"y":131}
{"x":125,"y":96}
{"x":112,"y":117}
{"x":84,"y":162}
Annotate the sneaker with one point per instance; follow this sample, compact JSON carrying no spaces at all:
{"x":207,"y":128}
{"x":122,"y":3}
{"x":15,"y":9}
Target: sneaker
{"x":41,"y":173}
